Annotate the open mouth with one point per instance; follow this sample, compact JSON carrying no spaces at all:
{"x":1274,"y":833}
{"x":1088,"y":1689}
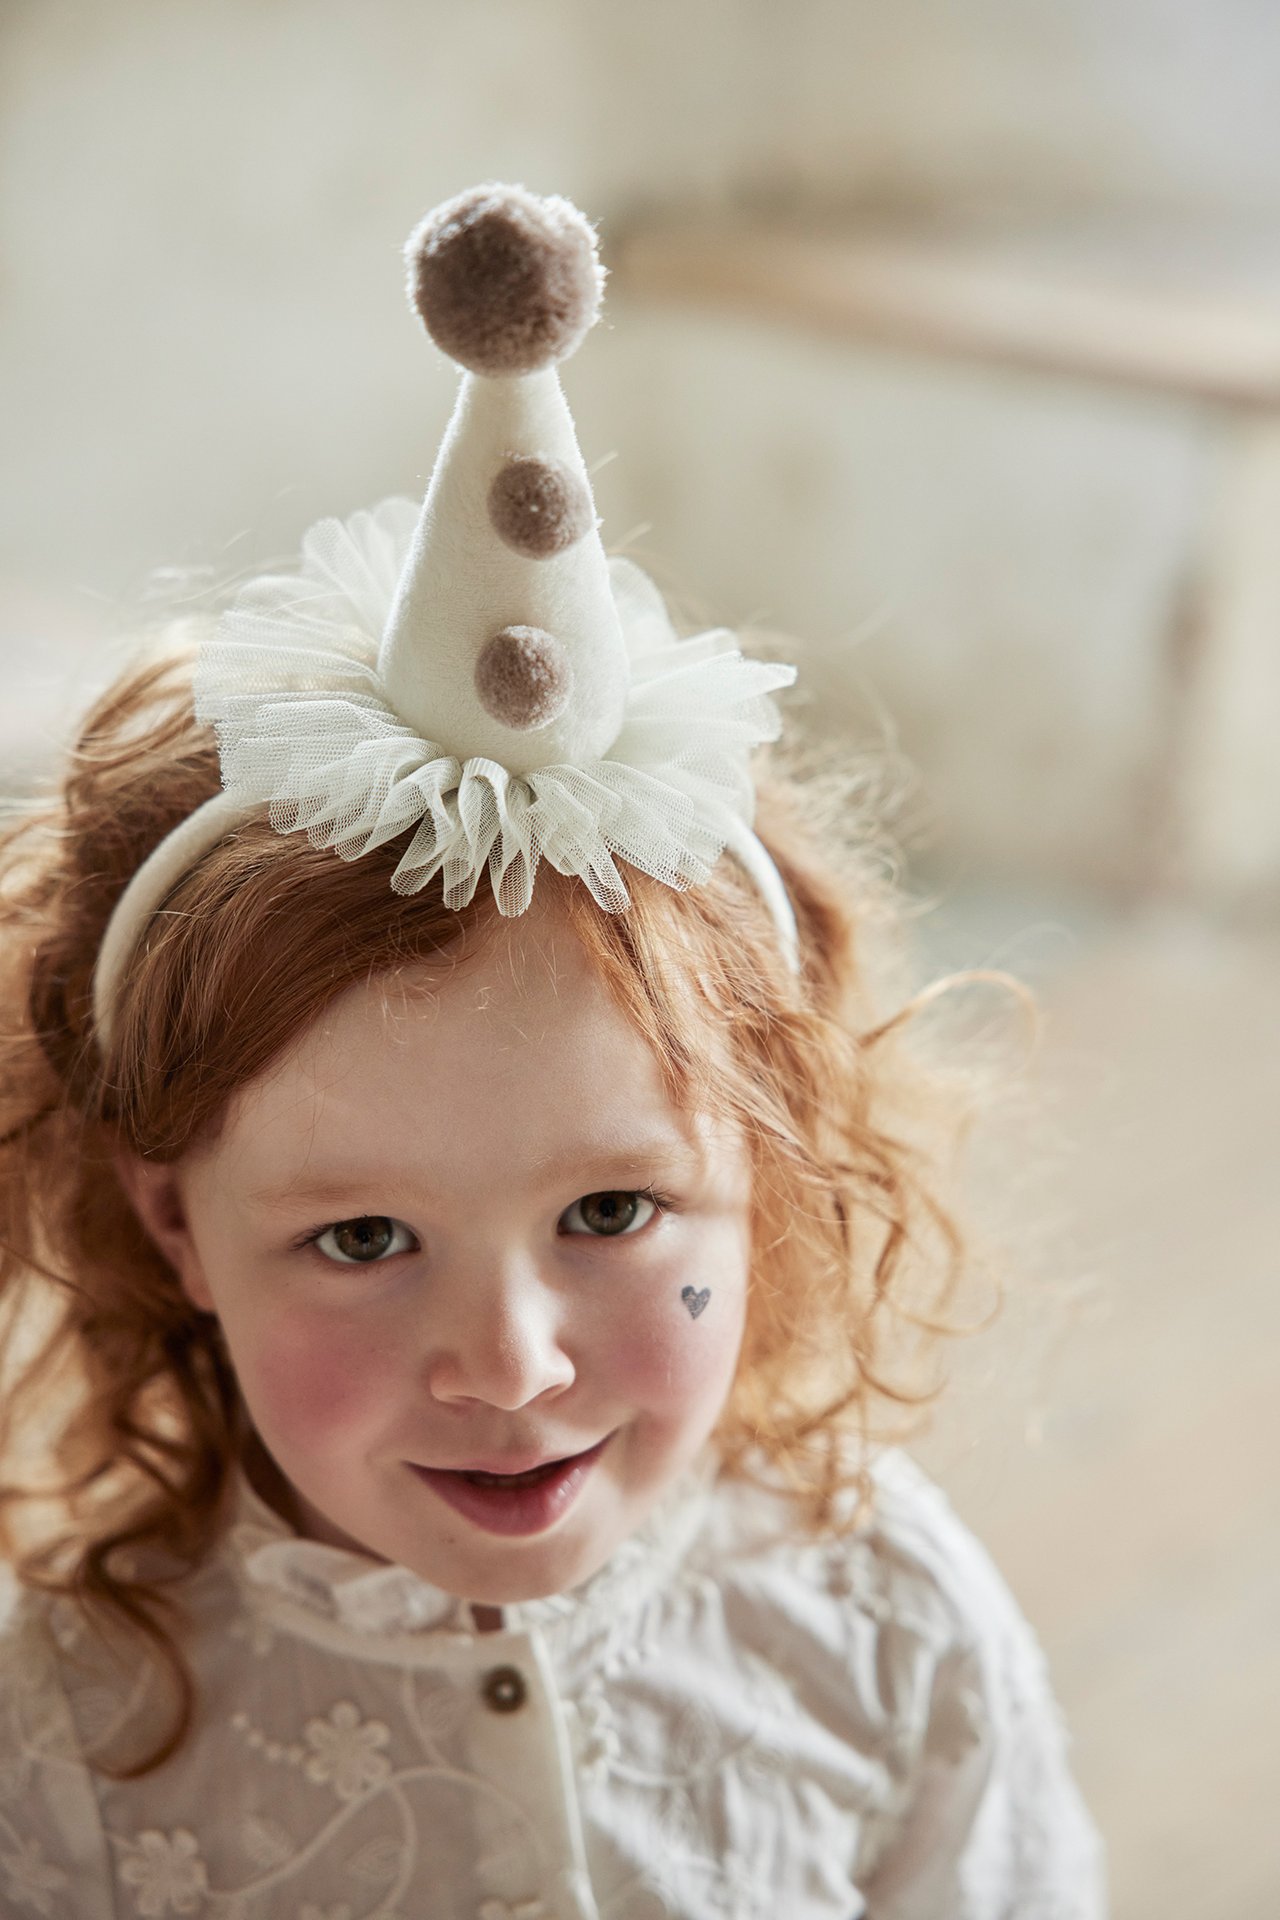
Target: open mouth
{"x":515,"y":1503}
{"x":532,"y":1478}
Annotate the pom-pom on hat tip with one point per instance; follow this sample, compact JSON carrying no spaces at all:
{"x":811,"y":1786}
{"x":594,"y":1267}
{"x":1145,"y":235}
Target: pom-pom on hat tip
{"x":505,"y":282}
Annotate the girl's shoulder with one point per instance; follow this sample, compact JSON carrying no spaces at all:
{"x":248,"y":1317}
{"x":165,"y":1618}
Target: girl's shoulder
{"x":896,"y":1606}
{"x":909,"y":1556}
{"x":907,"y":1633}
{"x":915,"y":1526}
{"x":909,"y":1572}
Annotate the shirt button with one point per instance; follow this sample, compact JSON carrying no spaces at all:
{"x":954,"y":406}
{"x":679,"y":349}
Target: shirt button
{"x":504,"y":1688}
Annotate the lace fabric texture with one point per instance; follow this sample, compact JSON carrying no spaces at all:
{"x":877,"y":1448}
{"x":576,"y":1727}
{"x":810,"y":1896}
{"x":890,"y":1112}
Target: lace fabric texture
{"x":290,"y":684}
{"x":728,"y":1721}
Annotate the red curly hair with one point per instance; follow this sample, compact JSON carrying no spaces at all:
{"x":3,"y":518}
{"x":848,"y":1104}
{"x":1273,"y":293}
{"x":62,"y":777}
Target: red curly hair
{"x":121,"y":1422}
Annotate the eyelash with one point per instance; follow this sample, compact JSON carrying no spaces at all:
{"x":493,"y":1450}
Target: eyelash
{"x":662,"y":1203}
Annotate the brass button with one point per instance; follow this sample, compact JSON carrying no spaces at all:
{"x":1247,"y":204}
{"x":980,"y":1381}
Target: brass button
{"x":504,"y":1688}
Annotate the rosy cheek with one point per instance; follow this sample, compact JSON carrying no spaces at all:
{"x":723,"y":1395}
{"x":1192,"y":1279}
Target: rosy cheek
{"x":309,"y":1382}
{"x":674,"y":1359}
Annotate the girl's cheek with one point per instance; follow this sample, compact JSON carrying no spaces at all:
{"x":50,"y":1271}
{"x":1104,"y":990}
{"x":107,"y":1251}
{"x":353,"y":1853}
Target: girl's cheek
{"x":682,"y":1353}
{"x":309,"y":1382}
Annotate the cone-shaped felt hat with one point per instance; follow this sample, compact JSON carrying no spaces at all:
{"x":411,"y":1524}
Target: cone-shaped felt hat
{"x":504,"y":641}
{"x":474,"y":680}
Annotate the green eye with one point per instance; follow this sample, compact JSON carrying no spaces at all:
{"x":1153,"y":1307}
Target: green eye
{"x":365,"y":1241}
{"x":608,"y":1215}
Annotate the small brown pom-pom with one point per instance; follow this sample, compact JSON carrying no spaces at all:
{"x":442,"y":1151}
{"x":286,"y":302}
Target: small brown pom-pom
{"x":538,"y":506}
{"x":504,"y":282}
{"x":523,"y":678}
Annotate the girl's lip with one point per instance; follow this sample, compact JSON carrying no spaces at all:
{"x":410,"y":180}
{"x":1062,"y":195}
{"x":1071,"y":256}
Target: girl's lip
{"x":515,"y":1510}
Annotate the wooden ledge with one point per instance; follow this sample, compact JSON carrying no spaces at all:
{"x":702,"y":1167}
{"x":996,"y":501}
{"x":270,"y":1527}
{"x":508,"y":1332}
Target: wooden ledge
{"x":1172,"y":327}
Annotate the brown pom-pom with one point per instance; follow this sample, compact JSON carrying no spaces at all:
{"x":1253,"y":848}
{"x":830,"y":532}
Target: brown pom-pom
{"x":538,"y":506}
{"x":523,"y":678}
{"x":505,"y":282}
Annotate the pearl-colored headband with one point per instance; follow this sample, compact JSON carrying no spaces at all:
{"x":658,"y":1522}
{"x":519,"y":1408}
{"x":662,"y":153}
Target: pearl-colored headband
{"x":479,"y":671}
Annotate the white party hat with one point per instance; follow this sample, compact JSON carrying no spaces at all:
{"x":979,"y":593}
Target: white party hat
{"x":504,"y":639}
{"x":479,"y":671}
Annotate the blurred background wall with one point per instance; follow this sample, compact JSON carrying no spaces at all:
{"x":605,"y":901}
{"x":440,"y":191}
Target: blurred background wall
{"x":200,"y":208}
{"x":997,"y":445}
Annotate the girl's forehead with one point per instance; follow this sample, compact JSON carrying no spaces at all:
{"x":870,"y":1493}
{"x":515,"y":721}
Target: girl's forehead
{"x":525,"y":992}
{"x":517,"y":1053}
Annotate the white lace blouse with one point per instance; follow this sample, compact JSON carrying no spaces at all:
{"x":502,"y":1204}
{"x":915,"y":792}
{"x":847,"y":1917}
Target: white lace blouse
{"x":729,"y":1719}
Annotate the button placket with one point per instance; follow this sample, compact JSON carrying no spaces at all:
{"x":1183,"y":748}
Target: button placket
{"x":516,"y":1739}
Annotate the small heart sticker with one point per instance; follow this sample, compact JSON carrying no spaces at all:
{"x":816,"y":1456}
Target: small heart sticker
{"x":695,"y":1301}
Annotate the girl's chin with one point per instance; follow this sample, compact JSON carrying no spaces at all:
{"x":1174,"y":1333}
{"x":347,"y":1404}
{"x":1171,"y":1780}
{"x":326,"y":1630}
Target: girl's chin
{"x":486,"y":1569}
{"x":501,"y":1573}
{"x":494,"y":1572}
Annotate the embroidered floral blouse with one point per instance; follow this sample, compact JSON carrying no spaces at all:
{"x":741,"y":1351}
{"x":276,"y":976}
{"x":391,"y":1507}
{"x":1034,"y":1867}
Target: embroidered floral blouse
{"x":729,"y":1719}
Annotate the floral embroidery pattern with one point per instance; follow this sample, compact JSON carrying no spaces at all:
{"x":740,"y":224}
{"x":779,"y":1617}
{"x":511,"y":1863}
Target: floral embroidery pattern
{"x":274,"y":1750}
{"x":254,"y":1629}
{"x":166,"y":1873}
{"x":344,"y":1751}
{"x":596,"y":1740}
{"x":31,"y":1879}
{"x":853,"y":1573}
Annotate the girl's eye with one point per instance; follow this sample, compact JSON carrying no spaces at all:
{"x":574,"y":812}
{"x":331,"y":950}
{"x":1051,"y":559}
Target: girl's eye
{"x":609,"y":1213}
{"x":366,"y":1240}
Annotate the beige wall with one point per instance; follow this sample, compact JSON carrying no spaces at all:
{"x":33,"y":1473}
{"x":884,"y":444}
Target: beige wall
{"x":203,"y":346}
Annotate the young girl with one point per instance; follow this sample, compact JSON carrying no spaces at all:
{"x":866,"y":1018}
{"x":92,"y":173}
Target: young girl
{"x":463,"y":1208}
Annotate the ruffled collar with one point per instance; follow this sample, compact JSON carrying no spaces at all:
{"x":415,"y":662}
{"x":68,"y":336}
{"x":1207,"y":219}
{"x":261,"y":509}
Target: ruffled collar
{"x":369,"y":1596}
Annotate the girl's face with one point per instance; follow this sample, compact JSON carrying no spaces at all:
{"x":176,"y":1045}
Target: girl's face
{"x":458,"y":1224}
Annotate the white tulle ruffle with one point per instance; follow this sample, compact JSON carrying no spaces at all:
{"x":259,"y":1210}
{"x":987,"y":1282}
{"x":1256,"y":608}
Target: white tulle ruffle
{"x":290,"y":684}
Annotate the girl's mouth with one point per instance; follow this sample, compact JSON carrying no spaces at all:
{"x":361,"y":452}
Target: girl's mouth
{"x":515,"y":1503}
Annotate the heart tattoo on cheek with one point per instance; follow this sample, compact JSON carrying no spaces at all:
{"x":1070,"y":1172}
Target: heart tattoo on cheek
{"x":695,"y":1301}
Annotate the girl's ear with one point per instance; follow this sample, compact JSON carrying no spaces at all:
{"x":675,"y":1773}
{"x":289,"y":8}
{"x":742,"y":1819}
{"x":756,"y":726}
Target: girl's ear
{"x":155,"y":1193}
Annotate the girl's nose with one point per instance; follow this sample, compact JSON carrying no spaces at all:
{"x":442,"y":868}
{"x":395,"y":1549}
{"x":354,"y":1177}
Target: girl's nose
{"x":501,"y":1345}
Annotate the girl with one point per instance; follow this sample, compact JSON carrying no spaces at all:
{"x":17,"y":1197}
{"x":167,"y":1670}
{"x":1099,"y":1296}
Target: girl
{"x":458,"y":1230}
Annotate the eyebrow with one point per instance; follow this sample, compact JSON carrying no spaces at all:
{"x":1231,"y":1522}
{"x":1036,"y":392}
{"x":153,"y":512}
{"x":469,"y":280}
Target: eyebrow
{"x":662,"y":1154}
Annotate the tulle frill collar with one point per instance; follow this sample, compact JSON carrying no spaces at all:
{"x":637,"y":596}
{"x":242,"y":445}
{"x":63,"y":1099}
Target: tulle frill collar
{"x":371,"y":1597}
